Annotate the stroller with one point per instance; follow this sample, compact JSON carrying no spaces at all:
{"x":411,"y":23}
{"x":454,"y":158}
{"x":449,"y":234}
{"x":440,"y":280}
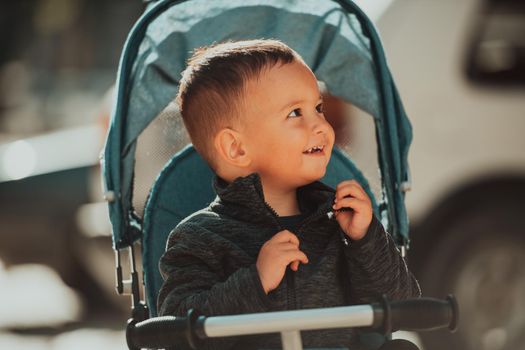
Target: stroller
{"x":339,"y":43}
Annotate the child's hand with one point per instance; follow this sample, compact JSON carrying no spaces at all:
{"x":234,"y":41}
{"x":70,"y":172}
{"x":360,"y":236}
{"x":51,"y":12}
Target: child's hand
{"x":355,"y":222}
{"x":277,"y":253}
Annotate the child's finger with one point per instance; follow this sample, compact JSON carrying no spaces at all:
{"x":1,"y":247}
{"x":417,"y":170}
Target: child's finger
{"x":349,"y":202}
{"x":352,"y":187}
{"x":351,"y":190}
{"x":286,"y":236}
{"x":346,"y":183}
{"x":349,"y":183}
{"x":294,"y":265}
{"x":286,"y":246}
{"x":291,"y":256}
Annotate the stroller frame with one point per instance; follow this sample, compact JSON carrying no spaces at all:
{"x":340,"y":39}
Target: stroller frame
{"x":164,"y":331}
{"x":395,"y":178}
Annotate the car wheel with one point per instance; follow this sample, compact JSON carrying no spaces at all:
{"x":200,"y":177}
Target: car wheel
{"x":481,"y":260}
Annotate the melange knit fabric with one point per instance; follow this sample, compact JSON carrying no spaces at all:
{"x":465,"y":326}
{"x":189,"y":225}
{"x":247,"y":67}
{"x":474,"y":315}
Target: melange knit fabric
{"x":209,"y":264}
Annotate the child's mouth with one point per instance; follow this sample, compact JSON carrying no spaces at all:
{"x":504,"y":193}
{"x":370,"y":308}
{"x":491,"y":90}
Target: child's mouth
{"x":315,"y":150}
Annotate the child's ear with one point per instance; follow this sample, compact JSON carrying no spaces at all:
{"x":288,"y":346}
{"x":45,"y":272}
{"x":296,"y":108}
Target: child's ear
{"x":229,"y":145}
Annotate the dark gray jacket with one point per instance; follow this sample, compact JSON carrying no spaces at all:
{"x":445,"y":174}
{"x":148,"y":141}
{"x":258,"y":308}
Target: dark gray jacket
{"x":209,"y":264}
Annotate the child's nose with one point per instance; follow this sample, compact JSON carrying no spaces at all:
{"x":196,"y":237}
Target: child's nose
{"x":320,"y":125}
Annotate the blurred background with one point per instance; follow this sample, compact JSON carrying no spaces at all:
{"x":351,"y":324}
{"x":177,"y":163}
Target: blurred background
{"x":58,"y":60}
{"x":460,"y":69}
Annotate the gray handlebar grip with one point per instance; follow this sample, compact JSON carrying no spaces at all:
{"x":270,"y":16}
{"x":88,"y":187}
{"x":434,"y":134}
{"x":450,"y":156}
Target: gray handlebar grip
{"x":165,"y":332}
{"x":420,"y":314}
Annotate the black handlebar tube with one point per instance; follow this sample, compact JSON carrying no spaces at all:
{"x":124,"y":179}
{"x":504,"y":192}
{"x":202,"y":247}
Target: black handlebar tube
{"x":419,"y":314}
{"x":166,"y":331}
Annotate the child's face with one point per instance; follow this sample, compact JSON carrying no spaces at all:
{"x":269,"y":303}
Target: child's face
{"x":286,"y":134}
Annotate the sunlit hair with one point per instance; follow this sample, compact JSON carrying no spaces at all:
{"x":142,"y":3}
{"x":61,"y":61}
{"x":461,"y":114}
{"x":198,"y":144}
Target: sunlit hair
{"x":212,"y":90}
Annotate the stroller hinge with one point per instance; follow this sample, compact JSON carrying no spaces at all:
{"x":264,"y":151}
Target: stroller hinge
{"x":109,"y":196}
{"x":403,"y":251}
{"x":404,"y":247}
{"x":119,"y":281}
{"x":405,"y":186}
{"x":130,"y":286}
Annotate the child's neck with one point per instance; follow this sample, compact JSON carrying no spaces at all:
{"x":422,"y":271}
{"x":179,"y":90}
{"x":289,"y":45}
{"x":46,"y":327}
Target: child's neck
{"x":283,"y":201}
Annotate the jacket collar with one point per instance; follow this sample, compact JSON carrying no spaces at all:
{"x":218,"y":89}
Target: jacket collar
{"x":244,"y":199}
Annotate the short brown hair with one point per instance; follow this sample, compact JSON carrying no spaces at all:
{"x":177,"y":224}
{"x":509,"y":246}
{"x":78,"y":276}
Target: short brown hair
{"x":212,"y":88}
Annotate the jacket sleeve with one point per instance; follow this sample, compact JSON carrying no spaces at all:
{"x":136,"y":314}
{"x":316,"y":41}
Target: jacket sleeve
{"x":376,"y":267}
{"x":193,"y":271}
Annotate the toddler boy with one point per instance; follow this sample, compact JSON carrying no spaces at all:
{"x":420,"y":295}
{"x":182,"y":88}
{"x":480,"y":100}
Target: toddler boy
{"x":274,"y":238}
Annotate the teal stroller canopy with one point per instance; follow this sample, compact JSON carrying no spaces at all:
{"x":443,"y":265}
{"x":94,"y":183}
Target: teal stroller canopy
{"x":335,"y":39}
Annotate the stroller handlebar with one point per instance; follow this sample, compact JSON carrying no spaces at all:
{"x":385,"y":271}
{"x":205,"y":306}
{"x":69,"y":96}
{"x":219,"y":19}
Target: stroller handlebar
{"x":419,"y":314}
{"x":413,"y":314}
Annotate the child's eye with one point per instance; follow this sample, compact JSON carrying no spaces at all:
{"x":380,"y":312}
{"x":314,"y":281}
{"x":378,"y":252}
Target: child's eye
{"x":319,"y":108}
{"x":295,"y":113}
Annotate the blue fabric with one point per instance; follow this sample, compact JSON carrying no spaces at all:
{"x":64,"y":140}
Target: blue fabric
{"x":309,"y":28}
{"x":343,"y":50}
{"x":185,"y":186}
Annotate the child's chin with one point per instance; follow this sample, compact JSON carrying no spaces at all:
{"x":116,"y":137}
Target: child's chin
{"x":317,"y":176}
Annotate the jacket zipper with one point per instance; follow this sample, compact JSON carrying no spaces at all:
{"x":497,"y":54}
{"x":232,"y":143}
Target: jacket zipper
{"x":289,"y":273}
{"x":319,"y":213}
{"x":290,"y":279}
